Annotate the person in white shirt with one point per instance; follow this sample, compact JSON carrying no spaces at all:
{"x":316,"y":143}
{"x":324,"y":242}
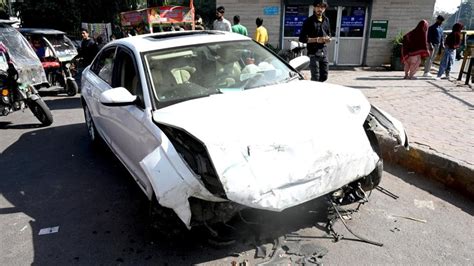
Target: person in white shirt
{"x":221,"y":23}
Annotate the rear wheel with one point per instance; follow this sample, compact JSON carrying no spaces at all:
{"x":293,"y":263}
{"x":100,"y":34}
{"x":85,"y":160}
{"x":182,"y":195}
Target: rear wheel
{"x":39,"y":108}
{"x":71,"y":87}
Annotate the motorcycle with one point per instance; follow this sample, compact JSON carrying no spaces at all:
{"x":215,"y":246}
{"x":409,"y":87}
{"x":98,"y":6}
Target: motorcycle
{"x":295,"y":49}
{"x":19,"y":96}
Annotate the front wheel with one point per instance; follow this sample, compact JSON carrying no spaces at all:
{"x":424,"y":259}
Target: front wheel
{"x":91,"y":129}
{"x":72,"y":88}
{"x":39,"y":108}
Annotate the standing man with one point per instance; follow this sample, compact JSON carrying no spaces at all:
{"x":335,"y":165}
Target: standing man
{"x":261,"y":34}
{"x":316,"y":32}
{"x":88,"y":48}
{"x":221,"y":23}
{"x":435,"y":41}
{"x":238,"y":28}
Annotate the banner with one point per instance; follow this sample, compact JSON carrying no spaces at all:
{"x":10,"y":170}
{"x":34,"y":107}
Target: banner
{"x":98,"y":29}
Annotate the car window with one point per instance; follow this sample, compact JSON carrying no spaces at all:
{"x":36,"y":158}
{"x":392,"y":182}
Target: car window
{"x":103,"y":65}
{"x":184,"y":73}
{"x":127,"y":75}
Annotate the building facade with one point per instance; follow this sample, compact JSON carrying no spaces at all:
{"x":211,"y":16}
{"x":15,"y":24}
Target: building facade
{"x":362,"y":30}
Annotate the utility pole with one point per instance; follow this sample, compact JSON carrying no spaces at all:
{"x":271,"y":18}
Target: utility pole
{"x":458,"y":15}
{"x":9,"y":3}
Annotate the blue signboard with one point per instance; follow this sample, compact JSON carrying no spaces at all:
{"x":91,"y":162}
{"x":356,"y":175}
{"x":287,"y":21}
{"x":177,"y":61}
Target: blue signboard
{"x":294,"y":18}
{"x":352,"y":21}
{"x":271,"y":10}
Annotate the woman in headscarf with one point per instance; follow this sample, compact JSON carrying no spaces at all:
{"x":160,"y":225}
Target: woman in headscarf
{"x":415,"y":48}
{"x":452,"y":42}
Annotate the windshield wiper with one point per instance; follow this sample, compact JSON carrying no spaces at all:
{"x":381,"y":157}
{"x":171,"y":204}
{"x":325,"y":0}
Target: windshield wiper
{"x":292,"y":76}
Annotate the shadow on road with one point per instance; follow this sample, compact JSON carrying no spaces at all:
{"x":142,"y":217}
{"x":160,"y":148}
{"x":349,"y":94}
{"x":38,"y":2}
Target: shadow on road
{"x":380,"y":78}
{"x":56,"y":178}
{"x":63,"y":103}
{"x":447,"y":92}
{"x":435,"y":188}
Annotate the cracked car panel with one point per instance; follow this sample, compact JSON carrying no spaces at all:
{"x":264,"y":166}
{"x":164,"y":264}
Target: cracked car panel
{"x":274,"y":158}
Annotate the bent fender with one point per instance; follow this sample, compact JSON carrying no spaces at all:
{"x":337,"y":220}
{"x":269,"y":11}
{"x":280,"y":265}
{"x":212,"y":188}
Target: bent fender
{"x":394,"y":127}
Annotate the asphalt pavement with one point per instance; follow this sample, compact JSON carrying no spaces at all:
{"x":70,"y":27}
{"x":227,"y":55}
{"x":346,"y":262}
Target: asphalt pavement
{"x":52,"y":177}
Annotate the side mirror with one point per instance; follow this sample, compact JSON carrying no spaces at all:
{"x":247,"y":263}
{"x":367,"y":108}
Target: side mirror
{"x":300,"y":63}
{"x":117,"y":97}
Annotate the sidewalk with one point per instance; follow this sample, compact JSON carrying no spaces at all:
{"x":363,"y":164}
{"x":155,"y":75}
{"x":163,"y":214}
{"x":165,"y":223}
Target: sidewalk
{"x":438,"y":117}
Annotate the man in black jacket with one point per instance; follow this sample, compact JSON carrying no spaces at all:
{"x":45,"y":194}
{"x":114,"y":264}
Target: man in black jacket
{"x":435,"y":42}
{"x":316,"y":32}
{"x":89,"y":48}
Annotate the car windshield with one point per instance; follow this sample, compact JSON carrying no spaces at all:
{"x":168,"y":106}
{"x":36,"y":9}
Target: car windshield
{"x":184,"y":73}
{"x":62,"y":45}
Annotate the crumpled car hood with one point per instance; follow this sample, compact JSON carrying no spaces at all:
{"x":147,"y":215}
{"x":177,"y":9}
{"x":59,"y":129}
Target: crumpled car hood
{"x":279,"y":146}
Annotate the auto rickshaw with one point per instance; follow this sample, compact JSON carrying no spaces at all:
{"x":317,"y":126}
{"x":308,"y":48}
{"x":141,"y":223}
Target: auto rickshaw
{"x":55,"y":52}
{"x":27,"y":64}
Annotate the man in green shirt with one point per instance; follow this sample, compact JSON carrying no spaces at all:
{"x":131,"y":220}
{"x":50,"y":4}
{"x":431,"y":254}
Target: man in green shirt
{"x":238,"y":28}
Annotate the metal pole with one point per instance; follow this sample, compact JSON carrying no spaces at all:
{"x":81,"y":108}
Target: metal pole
{"x":9,"y":7}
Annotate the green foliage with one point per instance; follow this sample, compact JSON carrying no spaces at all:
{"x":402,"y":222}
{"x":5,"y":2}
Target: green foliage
{"x":465,"y":16}
{"x":397,"y":43}
{"x":67,"y":15}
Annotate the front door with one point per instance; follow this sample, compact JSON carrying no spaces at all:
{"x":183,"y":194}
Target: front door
{"x":350,"y":22}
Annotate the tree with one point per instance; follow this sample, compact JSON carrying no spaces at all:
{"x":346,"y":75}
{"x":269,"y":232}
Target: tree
{"x":464,"y":15}
{"x":51,"y":13}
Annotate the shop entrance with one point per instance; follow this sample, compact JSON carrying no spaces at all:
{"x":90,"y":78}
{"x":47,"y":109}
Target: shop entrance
{"x":348,"y":29}
{"x":348,"y":25}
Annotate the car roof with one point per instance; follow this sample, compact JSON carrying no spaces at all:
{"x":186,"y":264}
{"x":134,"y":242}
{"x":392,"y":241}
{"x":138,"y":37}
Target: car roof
{"x":40,"y":31}
{"x":163,"y":40}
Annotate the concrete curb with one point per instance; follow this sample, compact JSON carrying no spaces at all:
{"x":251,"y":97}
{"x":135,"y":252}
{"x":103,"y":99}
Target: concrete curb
{"x":434,"y":166}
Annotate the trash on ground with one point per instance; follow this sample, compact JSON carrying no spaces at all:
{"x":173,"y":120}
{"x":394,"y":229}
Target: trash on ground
{"x":261,"y":251}
{"x":424,"y":204}
{"x":306,"y":249}
{"x":386,"y":192}
{"x":410,"y":218}
{"x":49,"y":230}
{"x":396,"y":229}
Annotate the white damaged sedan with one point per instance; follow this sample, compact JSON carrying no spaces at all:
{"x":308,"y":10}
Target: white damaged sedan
{"x":209,"y":123}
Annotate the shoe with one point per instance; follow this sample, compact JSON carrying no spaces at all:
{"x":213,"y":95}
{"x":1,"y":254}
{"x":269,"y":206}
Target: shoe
{"x":448,"y":78}
{"x":413,"y":78}
{"x":427,"y":75}
{"x":437,"y":78}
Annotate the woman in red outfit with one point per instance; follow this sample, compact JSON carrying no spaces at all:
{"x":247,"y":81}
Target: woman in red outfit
{"x":415,"y":48}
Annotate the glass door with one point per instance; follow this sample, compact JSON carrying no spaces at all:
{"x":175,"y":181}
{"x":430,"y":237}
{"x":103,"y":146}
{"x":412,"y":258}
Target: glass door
{"x":350,"y":33}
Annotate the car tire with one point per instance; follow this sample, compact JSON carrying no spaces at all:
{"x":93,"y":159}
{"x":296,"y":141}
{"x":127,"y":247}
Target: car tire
{"x":373,"y":179}
{"x":164,"y":222}
{"x":94,"y":136}
{"x":72,"y":87}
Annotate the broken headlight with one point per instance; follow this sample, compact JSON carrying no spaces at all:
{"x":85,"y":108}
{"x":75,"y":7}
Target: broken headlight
{"x":196,"y":156}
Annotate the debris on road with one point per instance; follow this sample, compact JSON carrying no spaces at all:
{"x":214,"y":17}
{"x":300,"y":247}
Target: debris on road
{"x":424,"y":204}
{"x":396,"y":229}
{"x":410,"y":218}
{"x":49,"y":230}
{"x":386,"y":192}
{"x":261,"y":251}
